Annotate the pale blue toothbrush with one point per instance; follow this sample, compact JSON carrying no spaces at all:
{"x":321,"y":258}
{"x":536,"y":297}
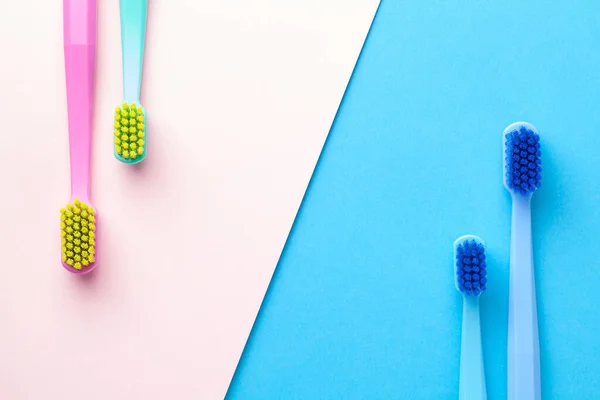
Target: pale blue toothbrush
{"x":470,"y":279}
{"x":522,"y":177}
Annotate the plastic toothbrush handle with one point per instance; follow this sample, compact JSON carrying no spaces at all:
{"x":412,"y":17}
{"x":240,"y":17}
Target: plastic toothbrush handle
{"x":133,"y":35}
{"x":79,"y":24}
{"x":523,"y":345}
{"x":472,"y":376}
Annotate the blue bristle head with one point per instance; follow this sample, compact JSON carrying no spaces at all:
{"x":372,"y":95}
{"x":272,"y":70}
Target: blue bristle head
{"x":523,"y":160}
{"x":471,"y":268}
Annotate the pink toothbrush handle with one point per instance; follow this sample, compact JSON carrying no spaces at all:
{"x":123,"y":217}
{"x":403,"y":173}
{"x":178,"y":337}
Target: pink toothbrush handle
{"x":79,"y":20}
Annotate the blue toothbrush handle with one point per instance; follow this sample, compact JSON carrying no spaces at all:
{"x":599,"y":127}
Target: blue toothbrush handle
{"x":472,"y":377}
{"x":523,"y":345}
{"x":133,"y":36}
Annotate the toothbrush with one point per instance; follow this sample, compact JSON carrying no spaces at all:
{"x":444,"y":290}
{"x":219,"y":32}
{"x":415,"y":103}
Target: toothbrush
{"x":130,"y":117}
{"x":470,"y":279}
{"x":78,"y":218}
{"x":522,"y":178}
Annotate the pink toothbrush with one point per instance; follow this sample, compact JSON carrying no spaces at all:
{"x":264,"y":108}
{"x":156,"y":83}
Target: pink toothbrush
{"x":78,"y":218}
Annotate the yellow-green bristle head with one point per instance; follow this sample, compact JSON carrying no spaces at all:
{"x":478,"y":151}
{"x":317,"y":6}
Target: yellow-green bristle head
{"x":129,"y":132}
{"x":78,"y":237}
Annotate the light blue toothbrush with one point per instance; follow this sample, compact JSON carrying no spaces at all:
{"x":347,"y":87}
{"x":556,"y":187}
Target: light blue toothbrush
{"x":130,"y":118}
{"x":522,"y":177}
{"x":470,"y":279}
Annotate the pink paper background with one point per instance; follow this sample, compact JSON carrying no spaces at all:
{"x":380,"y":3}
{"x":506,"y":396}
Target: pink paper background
{"x":240,"y":97}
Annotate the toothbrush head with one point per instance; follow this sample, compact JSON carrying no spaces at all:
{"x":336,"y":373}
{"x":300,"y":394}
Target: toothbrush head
{"x":130,"y":133}
{"x":78,"y":237}
{"x":470,"y":270}
{"x":522,"y":159}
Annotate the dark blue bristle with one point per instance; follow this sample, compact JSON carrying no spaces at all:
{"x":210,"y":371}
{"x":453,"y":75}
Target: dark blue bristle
{"x":523,"y":161}
{"x":471,"y":268}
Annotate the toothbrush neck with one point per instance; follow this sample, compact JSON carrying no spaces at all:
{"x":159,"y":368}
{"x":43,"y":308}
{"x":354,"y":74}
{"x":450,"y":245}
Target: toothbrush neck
{"x":133,"y":36}
{"x":523,"y":362}
{"x":131,"y":83}
{"x":472,"y":375}
{"x":80,"y":68}
{"x":80,"y":65}
{"x":521,"y":219}
{"x":471,"y":302}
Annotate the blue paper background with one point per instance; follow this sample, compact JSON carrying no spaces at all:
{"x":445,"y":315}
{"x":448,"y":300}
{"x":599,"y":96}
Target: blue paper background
{"x":362,"y":304}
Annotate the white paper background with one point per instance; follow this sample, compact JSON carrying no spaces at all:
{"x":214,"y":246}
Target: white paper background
{"x":240,"y":96}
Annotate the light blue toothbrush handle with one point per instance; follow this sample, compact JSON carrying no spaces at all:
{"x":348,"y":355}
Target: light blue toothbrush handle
{"x":472,"y":376}
{"x":523,"y":345}
{"x":133,"y":36}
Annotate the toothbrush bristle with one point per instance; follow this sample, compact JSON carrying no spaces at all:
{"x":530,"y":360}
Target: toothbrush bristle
{"x":78,"y":234}
{"x":471,"y":269}
{"x":130,"y":131}
{"x":523,"y":161}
